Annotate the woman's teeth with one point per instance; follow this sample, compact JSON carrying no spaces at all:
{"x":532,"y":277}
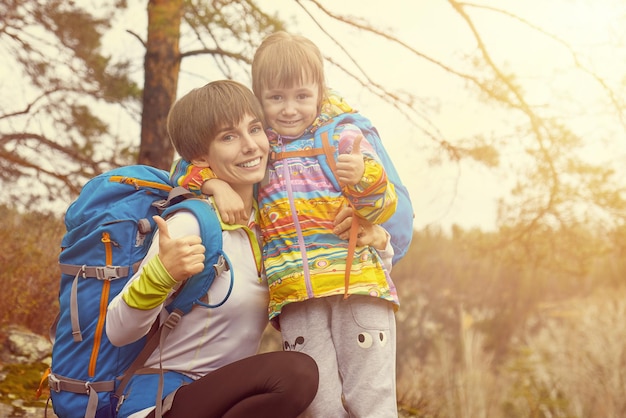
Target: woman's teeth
{"x":252,"y":163}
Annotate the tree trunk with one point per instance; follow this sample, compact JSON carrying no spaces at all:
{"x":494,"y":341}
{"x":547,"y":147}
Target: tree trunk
{"x":161,"y":65}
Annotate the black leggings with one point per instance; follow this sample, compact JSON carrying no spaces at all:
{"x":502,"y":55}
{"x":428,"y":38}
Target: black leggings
{"x":279,"y":385}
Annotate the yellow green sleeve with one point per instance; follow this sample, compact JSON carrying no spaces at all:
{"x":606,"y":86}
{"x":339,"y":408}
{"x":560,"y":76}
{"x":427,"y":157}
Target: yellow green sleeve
{"x":151,"y":288}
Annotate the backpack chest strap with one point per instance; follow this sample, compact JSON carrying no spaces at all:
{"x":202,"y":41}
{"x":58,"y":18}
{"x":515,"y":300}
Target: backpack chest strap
{"x":309,"y":152}
{"x":326,"y":150}
{"x":97,"y":272}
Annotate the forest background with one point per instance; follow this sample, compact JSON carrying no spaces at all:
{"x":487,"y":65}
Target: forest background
{"x":505,"y":119}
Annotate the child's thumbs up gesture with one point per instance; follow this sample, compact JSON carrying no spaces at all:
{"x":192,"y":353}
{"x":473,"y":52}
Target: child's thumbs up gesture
{"x":181,"y":257}
{"x":350,"y":167}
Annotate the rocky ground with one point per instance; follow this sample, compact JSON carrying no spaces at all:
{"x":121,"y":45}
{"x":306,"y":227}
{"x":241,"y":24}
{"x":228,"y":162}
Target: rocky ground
{"x":14,"y":411}
{"x":23,"y":358}
{"x":20,"y":350}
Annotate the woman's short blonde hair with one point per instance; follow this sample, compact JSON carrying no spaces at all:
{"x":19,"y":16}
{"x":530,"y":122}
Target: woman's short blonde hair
{"x":284,"y":60}
{"x":195,"y":119}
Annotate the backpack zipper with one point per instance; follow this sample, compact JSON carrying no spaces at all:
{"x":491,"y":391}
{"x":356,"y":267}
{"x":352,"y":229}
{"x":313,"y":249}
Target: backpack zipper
{"x":104,"y":301}
{"x":140,"y":183}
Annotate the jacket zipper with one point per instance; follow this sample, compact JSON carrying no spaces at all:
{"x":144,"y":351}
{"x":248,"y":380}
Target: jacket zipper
{"x":104,"y":301}
{"x":296,"y":222}
{"x":252,"y":240}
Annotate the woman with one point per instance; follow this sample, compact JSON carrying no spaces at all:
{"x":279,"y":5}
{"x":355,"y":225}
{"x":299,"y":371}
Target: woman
{"x":209,"y":360}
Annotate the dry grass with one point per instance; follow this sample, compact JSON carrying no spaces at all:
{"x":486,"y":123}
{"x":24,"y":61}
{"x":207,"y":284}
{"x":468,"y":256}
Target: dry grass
{"x":578,"y":357}
{"x":29,"y":247}
{"x":569,"y":361}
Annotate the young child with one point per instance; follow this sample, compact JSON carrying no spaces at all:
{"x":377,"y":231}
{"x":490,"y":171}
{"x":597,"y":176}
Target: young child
{"x":351,"y":338}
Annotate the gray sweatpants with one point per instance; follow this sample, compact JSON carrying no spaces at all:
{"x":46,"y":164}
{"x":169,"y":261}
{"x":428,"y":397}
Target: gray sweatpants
{"x":353,"y":342}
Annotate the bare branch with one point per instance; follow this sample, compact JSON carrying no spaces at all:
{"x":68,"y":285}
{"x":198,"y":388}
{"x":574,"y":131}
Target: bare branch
{"x":30,"y":105}
{"x":136,"y":36}
{"x":71,"y":152}
{"x":216,"y":52}
{"x":613,"y":95}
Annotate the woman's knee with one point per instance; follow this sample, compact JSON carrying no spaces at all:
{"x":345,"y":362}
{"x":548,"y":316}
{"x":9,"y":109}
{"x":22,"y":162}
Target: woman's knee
{"x":303,"y":370}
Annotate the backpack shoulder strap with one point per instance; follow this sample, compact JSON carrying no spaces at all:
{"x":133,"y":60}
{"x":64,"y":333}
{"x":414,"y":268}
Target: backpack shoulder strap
{"x":329,"y":151}
{"x":328,"y":158}
{"x":328,"y":163}
{"x":215,"y":263}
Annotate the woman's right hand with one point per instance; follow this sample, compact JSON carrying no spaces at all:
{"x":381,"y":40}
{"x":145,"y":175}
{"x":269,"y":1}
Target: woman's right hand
{"x":181,"y":257}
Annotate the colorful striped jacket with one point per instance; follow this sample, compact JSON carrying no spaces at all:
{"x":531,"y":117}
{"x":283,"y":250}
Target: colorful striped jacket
{"x":302,"y":256}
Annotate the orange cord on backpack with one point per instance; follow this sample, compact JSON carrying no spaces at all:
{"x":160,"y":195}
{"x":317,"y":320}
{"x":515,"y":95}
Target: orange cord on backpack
{"x":354,"y":233}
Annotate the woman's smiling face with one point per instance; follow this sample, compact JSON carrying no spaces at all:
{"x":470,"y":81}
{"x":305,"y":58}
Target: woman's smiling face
{"x":238,"y":154}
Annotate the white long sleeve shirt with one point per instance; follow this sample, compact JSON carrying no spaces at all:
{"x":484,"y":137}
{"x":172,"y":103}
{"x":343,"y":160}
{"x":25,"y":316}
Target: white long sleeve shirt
{"x":206,"y":338}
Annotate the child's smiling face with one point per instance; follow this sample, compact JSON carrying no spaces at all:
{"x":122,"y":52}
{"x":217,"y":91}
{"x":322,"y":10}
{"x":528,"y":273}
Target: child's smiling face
{"x":289,"y":111}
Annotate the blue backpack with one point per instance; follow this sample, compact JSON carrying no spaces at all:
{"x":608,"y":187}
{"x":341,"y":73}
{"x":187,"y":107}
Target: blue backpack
{"x":400,"y":225}
{"x":109,"y":230}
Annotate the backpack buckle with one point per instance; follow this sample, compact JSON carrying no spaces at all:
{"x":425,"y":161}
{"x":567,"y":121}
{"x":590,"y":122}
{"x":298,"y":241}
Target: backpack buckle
{"x":108,"y":272}
{"x":221,"y":266}
{"x":54,"y":383}
{"x":161,"y":205}
{"x":120,"y":402}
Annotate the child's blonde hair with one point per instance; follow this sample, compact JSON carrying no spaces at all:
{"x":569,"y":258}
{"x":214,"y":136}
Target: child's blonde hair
{"x":284,"y":60}
{"x":195,"y":119}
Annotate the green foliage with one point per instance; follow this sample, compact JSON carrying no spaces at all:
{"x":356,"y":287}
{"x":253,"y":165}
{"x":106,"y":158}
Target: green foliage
{"x":87,"y":124}
{"x":21,"y":382}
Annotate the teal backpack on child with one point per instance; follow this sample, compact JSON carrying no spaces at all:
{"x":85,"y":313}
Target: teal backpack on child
{"x":109,"y":230}
{"x":400,"y":225}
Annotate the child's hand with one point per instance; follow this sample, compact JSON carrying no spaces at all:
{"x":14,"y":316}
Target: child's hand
{"x":182,"y":257}
{"x":343,"y":221}
{"x":350,"y":167}
{"x":229,"y":203}
{"x":230,"y":206}
{"x":369,"y":234}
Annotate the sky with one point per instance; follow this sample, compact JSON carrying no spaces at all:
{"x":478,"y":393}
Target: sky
{"x":447,"y":194}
